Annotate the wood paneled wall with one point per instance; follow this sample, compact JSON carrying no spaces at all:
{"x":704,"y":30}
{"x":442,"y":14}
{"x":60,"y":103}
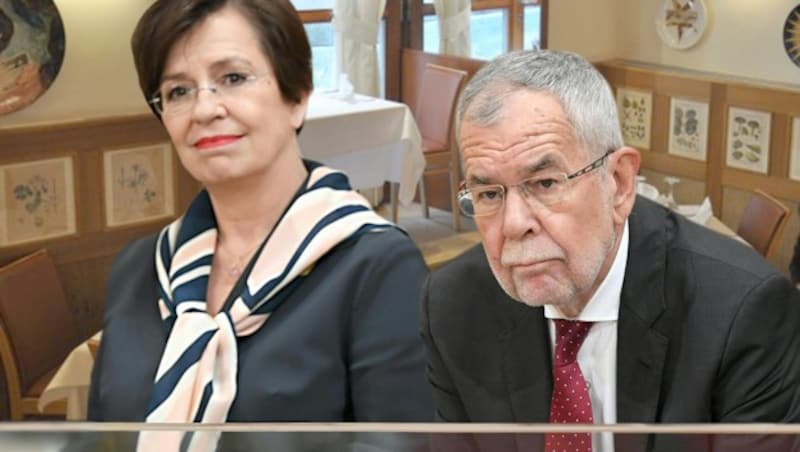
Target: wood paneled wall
{"x":728,"y":188}
{"x":84,"y":259}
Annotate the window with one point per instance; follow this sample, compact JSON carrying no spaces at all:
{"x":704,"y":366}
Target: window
{"x":317,"y":15}
{"x":493,"y":28}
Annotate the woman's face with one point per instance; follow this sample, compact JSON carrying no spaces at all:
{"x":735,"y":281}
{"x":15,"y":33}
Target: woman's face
{"x":243,"y":130}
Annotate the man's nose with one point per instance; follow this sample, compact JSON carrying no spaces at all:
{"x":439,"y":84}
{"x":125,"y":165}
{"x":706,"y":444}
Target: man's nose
{"x":520,"y":216}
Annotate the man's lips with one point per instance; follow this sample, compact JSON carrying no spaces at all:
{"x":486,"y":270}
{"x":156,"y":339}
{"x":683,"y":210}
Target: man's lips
{"x":216,"y":140}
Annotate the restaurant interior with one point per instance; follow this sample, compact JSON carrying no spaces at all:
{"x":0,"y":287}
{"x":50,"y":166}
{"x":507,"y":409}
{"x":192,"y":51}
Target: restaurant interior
{"x":710,"y":97}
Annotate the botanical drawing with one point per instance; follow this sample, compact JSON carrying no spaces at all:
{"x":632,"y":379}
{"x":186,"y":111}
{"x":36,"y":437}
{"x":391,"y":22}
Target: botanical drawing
{"x":37,"y":200}
{"x":748,"y":139}
{"x":138,"y":184}
{"x":688,"y":135}
{"x":634,"y":114}
{"x":794,"y":166}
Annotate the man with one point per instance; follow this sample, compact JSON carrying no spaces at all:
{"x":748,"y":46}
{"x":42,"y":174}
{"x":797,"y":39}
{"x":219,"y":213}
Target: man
{"x":678,"y":324}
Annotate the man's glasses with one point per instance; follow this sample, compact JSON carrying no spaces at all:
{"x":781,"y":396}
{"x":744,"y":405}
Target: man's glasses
{"x":546,"y":189}
{"x":178,"y":97}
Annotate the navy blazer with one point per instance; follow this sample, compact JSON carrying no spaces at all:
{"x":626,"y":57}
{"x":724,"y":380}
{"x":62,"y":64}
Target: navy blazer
{"x":344,"y":347}
{"x":707,"y":332}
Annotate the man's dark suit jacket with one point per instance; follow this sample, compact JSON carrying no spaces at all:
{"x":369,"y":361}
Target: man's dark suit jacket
{"x":707,"y":332}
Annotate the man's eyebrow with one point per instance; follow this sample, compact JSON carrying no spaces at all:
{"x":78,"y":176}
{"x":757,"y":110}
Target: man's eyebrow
{"x":478,"y":180}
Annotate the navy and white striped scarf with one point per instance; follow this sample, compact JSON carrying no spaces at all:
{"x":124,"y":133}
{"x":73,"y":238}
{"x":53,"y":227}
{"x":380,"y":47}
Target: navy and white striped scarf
{"x":196,"y":379}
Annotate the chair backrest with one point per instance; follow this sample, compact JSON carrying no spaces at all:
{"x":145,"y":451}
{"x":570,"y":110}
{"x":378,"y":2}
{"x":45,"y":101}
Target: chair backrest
{"x":762,"y":222}
{"x":36,"y":320}
{"x":436,"y":103}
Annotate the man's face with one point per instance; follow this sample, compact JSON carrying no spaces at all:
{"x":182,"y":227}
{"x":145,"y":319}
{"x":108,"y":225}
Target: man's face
{"x":542,"y":254}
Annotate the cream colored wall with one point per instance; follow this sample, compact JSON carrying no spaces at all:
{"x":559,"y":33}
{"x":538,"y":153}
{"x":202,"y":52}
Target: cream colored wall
{"x":97,"y":78}
{"x":584,"y":27}
{"x":743,"y":38}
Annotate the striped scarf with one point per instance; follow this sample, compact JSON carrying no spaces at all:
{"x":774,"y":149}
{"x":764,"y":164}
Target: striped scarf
{"x":196,"y":379}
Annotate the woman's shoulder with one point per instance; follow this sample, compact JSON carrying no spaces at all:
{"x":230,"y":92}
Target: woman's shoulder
{"x":377,"y":245}
{"x":135,"y":253}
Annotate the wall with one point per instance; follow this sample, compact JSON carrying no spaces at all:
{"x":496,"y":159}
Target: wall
{"x":743,"y":38}
{"x":585,"y":27}
{"x":97,"y":78}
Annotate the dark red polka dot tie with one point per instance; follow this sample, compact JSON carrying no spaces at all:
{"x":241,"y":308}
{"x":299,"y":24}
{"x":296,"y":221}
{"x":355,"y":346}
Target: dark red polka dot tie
{"x":570,"y":402}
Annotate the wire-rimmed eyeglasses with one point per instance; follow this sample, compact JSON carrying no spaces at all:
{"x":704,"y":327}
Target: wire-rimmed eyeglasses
{"x":546,"y":188}
{"x":177,"y":97}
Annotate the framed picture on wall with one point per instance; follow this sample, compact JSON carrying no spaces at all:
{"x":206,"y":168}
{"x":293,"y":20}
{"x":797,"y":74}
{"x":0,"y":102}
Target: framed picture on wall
{"x":37,"y":201}
{"x":688,"y":128}
{"x":794,"y":163}
{"x":635,"y":113}
{"x":748,"y":139}
{"x":138,"y":184}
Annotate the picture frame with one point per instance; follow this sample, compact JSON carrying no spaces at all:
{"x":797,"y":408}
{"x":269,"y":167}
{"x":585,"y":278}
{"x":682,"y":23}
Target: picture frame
{"x":635,"y":108}
{"x":688,"y":128}
{"x":794,"y":151}
{"x":37,"y":201}
{"x":138,"y":184}
{"x":747,"y":139}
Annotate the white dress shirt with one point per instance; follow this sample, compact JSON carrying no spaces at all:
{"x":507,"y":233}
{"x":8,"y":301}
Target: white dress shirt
{"x":597,"y":356}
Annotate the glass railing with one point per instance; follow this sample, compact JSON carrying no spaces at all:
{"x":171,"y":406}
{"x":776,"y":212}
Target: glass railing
{"x":369,"y":437}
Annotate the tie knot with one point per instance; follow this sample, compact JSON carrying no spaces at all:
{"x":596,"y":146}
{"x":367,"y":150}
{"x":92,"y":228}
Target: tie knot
{"x":570,"y":335}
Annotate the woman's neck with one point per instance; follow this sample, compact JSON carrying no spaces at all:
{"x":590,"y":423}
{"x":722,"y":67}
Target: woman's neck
{"x":248,"y":209}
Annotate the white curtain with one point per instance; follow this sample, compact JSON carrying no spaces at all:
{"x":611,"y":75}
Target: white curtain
{"x":356,"y":24}
{"x":454,"y":15}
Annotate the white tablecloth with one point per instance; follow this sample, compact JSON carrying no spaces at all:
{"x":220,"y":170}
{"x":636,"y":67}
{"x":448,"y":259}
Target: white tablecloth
{"x":372,"y":140}
{"x":71,"y":382}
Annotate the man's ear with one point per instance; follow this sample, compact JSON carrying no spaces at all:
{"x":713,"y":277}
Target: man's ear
{"x":624,"y":166}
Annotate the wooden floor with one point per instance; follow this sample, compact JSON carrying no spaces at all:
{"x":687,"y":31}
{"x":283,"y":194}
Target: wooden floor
{"x":435,"y":235}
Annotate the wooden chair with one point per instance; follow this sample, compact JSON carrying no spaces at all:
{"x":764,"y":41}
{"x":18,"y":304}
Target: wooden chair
{"x":36,"y":332}
{"x":762,"y":223}
{"x":434,"y":115}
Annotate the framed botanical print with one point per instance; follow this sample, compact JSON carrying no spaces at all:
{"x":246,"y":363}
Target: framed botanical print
{"x":794,"y":163}
{"x":37,"y":201}
{"x":748,"y":139}
{"x":138,"y":184}
{"x":635,"y":113}
{"x":688,"y":128}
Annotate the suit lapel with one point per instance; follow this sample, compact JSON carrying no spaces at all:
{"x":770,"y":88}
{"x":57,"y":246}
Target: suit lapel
{"x":526,"y":367}
{"x":641,"y":348}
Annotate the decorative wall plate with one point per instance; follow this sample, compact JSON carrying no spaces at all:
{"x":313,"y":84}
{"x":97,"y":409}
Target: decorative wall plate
{"x":31,"y":51}
{"x":791,"y":35}
{"x":681,"y":23}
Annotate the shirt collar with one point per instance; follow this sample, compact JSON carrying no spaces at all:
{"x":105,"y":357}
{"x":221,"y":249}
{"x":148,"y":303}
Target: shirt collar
{"x":604,"y":304}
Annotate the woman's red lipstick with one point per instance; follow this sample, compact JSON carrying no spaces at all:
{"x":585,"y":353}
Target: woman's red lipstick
{"x":215,"y":141}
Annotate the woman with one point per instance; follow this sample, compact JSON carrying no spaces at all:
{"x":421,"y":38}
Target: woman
{"x":279,"y":295}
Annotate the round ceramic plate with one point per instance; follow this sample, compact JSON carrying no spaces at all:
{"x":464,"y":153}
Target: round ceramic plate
{"x":31,"y":51}
{"x":791,"y":35}
{"x":681,"y":23}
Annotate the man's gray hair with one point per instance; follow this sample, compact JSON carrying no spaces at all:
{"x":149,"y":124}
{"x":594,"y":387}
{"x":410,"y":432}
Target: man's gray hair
{"x":583,"y":92}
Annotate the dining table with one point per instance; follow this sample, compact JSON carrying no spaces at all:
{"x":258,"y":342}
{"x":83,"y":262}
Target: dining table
{"x":372,"y":140}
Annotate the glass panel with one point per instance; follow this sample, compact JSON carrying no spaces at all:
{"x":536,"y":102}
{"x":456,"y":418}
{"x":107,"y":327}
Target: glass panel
{"x":532,"y":22}
{"x":302,"y":5}
{"x":387,"y":438}
{"x":430,"y":33}
{"x":489,"y":33}
{"x":323,"y":54}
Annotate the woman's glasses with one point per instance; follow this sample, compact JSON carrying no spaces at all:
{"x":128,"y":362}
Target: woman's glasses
{"x":177,"y":97}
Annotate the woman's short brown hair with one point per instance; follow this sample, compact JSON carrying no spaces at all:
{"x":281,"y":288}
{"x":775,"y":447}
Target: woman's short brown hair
{"x":276,"y":22}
